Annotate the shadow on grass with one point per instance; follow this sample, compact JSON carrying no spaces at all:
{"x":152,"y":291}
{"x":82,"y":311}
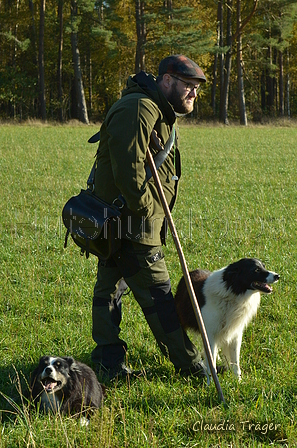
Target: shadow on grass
{"x":14,"y":391}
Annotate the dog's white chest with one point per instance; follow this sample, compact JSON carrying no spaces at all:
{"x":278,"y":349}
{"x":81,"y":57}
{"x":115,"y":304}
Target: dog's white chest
{"x":226,"y":314}
{"x":50,"y":402}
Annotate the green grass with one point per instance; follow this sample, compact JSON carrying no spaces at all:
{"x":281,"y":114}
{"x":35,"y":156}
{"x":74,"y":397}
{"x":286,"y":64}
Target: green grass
{"x":237,"y":199}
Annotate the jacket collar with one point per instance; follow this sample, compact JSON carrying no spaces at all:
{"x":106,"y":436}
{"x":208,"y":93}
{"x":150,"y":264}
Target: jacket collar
{"x":147,"y":83}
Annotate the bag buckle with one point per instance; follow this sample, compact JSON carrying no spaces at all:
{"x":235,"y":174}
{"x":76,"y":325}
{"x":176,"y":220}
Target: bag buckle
{"x":121,"y":200}
{"x":91,"y":187}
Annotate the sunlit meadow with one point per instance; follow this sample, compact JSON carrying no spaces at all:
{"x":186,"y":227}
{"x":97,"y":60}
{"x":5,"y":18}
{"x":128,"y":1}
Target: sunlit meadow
{"x":237,"y":199}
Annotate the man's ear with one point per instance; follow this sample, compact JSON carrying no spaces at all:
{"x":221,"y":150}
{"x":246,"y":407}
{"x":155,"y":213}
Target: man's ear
{"x":167,"y":80}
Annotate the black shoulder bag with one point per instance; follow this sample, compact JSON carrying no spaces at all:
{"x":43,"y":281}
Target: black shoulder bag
{"x":94,"y":225}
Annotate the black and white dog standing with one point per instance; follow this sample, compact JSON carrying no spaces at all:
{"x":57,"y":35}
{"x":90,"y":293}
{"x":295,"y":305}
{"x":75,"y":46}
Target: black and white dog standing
{"x":61,"y":384}
{"x":228,"y":300}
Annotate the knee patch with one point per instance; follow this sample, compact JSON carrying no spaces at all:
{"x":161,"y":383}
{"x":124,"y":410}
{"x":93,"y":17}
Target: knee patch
{"x":112,"y":307}
{"x":164,"y":307}
{"x":98,"y":301}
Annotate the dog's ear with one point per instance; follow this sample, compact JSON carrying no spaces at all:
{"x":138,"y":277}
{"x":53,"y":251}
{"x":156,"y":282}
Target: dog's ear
{"x":72,"y":364}
{"x":69,"y":360}
{"x":43,"y":359}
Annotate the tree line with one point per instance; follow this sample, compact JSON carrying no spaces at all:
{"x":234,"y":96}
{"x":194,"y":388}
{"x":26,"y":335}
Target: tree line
{"x":70,"y":59}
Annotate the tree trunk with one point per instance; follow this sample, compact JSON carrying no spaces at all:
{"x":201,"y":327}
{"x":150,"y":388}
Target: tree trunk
{"x":90,"y":84}
{"x":281,"y":85}
{"x":14,"y":56}
{"x":225,"y":98}
{"x":42,"y":103}
{"x":241,"y":97}
{"x":33,"y":38}
{"x":263,"y":90}
{"x":269,"y":83}
{"x":141,"y":36}
{"x":215,"y":67}
{"x":214,"y":84}
{"x":269,"y":76}
{"x":33,"y":32}
{"x":60,"y":61}
{"x":79,"y":88}
{"x":288,"y":84}
{"x":221,"y":55}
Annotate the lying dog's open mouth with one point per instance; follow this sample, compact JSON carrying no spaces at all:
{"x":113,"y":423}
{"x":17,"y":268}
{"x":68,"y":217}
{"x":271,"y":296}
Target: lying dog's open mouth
{"x":263,"y":287}
{"x":50,"y":385}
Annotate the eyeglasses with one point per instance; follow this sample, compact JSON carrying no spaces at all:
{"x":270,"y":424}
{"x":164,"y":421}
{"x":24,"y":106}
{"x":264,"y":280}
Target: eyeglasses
{"x":189,"y":86}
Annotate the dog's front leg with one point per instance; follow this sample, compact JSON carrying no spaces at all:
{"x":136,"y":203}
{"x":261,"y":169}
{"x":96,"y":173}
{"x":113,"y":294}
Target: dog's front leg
{"x":234,"y":354}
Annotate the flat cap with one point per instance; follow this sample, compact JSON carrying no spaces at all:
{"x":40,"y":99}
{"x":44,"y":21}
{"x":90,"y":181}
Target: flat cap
{"x":181,"y":65}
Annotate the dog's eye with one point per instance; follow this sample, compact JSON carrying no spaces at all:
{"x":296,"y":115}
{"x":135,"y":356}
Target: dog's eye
{"x":257,"y":270}
{"x":58,"y":364}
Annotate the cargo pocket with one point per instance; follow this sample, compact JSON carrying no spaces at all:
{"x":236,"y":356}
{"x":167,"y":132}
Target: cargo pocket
{"x":154,"y":266}
{"x":145,"y":264}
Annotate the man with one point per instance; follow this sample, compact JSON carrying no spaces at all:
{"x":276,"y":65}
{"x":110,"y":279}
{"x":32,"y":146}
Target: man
{"x":143,"y":117}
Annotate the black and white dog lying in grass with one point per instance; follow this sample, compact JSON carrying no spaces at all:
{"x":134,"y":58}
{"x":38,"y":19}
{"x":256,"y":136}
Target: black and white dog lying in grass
{"x":61,"y":384}
{"x":228,"y":300}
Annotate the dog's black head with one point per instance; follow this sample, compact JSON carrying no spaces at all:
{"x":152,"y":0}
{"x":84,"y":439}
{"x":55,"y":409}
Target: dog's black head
{"x":249,"y":274}
{"x":65,"y":385}
{"x":54,"y":373}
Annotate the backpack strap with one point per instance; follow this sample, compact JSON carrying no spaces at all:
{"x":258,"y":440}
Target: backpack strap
{"x":158,"y":159}
{"x":91,"y":178}
{"x":161,"y":155}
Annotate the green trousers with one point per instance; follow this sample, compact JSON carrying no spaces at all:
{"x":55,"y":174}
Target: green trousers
{"x":142,"y":268}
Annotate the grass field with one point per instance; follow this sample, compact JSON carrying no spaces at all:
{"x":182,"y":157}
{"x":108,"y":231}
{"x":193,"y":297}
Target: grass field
{"x":237,"y":199}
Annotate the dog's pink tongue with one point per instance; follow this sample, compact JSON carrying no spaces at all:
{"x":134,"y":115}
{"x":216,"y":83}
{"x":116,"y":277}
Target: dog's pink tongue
{"x":49,"y":385}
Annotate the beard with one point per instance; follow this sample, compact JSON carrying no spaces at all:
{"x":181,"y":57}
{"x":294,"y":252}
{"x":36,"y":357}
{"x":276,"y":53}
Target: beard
{"x":181,"y":105}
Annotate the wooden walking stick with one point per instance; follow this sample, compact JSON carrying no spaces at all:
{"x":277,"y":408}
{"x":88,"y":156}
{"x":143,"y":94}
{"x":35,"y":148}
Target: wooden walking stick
{"x":186,"y":274}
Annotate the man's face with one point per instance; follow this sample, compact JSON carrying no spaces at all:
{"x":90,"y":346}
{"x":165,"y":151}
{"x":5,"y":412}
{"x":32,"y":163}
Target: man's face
{"x":182,"y":94}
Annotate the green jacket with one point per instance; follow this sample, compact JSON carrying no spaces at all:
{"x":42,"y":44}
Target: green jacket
{"x":121,"y":160}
